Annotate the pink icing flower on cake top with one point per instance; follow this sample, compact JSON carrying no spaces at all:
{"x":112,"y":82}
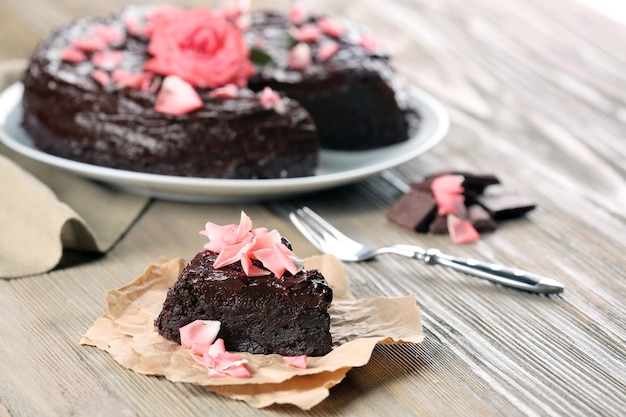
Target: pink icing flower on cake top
{"x":200,"y":46}
{"x":241,"y":243}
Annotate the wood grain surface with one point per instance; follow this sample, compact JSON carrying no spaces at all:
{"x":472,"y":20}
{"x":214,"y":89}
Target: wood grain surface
{"x":536,"y":91}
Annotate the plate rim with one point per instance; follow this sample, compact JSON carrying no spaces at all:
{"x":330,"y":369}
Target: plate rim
{"x":159,"y":186}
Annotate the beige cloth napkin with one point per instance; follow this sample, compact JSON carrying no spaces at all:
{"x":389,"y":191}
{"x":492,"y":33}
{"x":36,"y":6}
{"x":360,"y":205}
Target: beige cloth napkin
{"x":44,"y":210}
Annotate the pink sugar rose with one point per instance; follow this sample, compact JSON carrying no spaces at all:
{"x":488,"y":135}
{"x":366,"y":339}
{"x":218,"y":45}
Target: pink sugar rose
{"x":240,"y":243}
{"x":200,"y":46}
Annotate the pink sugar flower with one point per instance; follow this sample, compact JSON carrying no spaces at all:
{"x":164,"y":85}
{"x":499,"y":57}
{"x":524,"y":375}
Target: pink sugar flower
{"x":231,"y":234}
{"x":177,"y":97}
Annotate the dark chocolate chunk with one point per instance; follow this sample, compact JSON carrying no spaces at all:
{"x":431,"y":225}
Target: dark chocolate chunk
{"x":506,"y":206}
{"x":414,"y":210}
{"x":439,"y":226}
{"x":480,"y":218}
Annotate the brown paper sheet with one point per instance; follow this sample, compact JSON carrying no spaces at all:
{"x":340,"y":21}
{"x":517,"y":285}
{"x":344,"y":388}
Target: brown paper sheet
{"x":127,"y":333}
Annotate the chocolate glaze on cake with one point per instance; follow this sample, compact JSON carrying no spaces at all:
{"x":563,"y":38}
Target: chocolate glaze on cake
{"x":68,"y":114}
{"x":268,"y":314}
{"x":356,"y":98}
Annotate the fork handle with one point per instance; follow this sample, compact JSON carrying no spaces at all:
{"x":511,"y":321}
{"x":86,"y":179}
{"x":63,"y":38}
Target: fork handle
{"x":500,"y":274}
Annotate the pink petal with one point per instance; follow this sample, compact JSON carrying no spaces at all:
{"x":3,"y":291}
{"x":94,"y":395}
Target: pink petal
{"x":228,"y":91}
{"x":101,"y":77}
{"x":108,"y":34}
{"x":326,"y":50}
{"x":278,"y":259}
{"x":236,"y":8}
{"x":330,"y":27}
{"x":271,"y":100}
{"x":461,"y":231}
{"x":299,"y":56}
{"x":217,"y":348}
{"x":370,"y":43}
{"x":306,"y":33}
{"x":296,"y":361}
{"x":250,"y":269}
{"x":177,"y":97}
{"x":448,"y":183}
{"x":107,"y":60}
{"x":448,"y":193}
{"x":90,"y":44}
{"x":199,"y":335}
{"x":122,"y":78}
{"x":231,"y":254}
{"x":134,"y":27}
{"x":297,"y":13}
{"x":73,"y":55}
{"x":240,"y":371}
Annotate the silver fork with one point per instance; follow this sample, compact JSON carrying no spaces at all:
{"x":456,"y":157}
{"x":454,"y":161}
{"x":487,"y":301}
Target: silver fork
{"x":330,"y":240}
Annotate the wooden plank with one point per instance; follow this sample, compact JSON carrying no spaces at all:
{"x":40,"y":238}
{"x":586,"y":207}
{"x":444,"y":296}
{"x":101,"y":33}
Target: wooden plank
{"x":535,"y":90}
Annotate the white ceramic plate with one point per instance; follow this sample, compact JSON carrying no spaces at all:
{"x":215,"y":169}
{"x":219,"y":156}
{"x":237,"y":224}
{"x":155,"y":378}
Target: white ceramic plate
{"x":336,"y":168}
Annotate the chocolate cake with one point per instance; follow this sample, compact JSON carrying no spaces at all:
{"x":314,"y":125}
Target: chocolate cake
{"x":73,"y":112}
{"x":284,"y":314}
{"x":356,"y":98}
{"x":95,"y":91}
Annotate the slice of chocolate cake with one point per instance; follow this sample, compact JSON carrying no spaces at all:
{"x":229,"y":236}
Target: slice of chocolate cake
{"x":283,"y":312}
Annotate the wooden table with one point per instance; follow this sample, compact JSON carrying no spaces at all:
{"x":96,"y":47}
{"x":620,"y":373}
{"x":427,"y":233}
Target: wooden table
{"x":536,"y":91}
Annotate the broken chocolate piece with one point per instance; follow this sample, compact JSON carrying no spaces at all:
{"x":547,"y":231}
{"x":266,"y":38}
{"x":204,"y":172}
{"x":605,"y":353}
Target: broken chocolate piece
{"x":506,"y":206}
{"x":480,"y":218}
{"x":473,"y":184}
{"x":414,"y":210}
{"x":439,"y":226}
